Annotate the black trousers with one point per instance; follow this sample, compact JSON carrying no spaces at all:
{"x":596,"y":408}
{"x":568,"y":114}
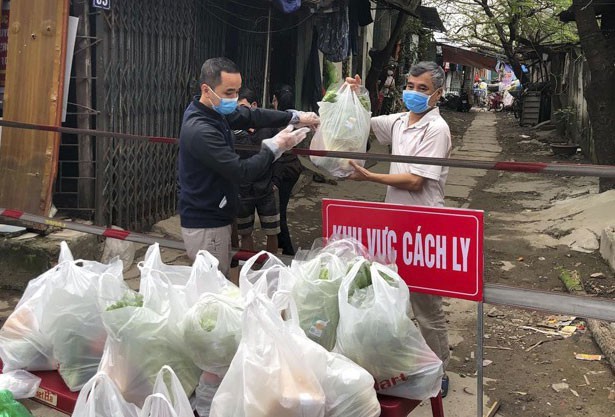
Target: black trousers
{"x":285,"y":188}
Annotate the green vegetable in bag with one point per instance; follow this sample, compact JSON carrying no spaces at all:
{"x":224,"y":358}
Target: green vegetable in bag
{"x":128,"y":300}
{"x":9,"y":407}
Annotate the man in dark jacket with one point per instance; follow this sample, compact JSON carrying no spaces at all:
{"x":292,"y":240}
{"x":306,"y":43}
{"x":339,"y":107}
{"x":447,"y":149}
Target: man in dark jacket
{"x":209,"y":169}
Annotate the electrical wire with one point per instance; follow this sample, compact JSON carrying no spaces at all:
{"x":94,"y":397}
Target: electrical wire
{"x":260,"y":31}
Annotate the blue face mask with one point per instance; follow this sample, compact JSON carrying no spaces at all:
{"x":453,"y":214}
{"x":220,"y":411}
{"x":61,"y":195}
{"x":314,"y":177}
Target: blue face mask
{"x":415,"y":101}
{"x":226,"y":106}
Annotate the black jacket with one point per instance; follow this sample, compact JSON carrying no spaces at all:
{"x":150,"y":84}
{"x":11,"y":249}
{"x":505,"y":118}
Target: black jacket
{"x":209,"y":169}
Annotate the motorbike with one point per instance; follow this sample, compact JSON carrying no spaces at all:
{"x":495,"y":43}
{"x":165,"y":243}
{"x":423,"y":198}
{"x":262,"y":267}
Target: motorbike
{"x":495,"y":102}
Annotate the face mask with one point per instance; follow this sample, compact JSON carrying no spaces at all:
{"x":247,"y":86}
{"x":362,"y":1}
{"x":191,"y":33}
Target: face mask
{"x":226,"y":106}
{"x":415,"y":101}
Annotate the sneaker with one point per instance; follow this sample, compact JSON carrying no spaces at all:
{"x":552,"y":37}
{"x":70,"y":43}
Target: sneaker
{"x":444,"y":389}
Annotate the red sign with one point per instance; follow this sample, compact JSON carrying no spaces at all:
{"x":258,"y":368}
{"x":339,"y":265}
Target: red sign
{"x":437,"y":250}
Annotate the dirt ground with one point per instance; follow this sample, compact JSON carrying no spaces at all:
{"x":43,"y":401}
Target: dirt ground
{"x":525,"y":379}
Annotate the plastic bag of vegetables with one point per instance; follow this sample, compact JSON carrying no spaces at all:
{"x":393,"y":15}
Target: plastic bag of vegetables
{"x":268,"y":376}
{"x":139,"y":343}
{"x":315,"y":293}
{"x":211,"y":331}
{"x":344,"y":126}
{"x":57,"y":323}
{"x":376,"y":332}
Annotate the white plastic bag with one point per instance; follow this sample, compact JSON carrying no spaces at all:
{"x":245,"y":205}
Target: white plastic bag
{"x":376,"y":332}
{"x":57,"y":323}
{"x":22,"y":384}
{"x":22,"y":344}
{"x":139,"y":343}
{"x":100,"y":397}
{"x":349,"y":389}
{"x":163,"y":286}
{"x":267,"y":377}
{"x":205,"y":277}
{"x":211,"y":330}
{"x":315,"y":293}
{"x":276,"y":274}
{"x":157,"y":405}
{"x":168,"y":385}
{"x":344,"y":126}
{"x":73,"y":320}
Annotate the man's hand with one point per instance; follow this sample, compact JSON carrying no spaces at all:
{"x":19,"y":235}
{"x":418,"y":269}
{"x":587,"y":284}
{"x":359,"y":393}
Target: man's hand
{"x":354,"y":83}
{"x":308,"y":119}
{"x":285,"y":140}
{"x":360,"y":173}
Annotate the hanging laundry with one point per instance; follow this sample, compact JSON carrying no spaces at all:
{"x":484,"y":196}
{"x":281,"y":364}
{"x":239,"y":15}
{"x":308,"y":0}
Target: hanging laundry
{"x":287,"y":6}
{"x":333,"y":35}
{"x":312,"y":78}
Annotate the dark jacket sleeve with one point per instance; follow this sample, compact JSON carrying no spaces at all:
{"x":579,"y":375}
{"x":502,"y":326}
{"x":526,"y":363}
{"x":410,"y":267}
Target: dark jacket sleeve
{"x":210,"y":148}
{"x":244,"y":118}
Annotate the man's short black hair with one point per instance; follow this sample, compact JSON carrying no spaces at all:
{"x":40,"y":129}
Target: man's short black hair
{"x":212,"y":69}
{"x":248,"y":94}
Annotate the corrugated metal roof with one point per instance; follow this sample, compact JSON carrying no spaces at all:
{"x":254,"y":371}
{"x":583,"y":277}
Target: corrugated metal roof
{"x":430,"y":18}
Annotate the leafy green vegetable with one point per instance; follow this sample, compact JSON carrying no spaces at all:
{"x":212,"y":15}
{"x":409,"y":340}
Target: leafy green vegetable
{"x":324,"y":274}
{"x":209,"y":318}
{"x":330,"y":97}
{"x":365,"y":102}
{"x":128,"y":300}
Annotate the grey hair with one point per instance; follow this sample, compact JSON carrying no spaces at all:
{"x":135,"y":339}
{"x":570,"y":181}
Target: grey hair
{"x":437,"y":73}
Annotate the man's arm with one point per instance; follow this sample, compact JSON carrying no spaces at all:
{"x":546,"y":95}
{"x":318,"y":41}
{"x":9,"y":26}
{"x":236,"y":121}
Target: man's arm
{"x":435,"y":143}
{"x":244,"y":118}
{"x":409,"y":182}
{"x":210,"y":148}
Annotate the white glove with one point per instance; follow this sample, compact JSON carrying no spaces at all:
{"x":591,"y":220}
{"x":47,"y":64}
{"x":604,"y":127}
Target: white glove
{"x":309,"y":119}
{"x":285,"y":140}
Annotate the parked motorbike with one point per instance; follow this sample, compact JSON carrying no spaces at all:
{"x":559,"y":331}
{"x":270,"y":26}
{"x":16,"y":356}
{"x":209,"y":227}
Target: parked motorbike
{"x":496,"y":102}
{"x":456,"y":102}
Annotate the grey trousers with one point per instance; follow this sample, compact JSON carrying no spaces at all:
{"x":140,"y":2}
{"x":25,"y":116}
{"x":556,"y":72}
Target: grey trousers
{"x":216,"y":241}
{"x":429,"y":313}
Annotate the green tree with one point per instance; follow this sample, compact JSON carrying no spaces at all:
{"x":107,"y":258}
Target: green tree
{"x":506,"y":27}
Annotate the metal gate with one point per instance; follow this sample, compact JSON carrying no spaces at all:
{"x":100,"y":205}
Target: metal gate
{"x":146,"y":59}
{"x":144,"y":65}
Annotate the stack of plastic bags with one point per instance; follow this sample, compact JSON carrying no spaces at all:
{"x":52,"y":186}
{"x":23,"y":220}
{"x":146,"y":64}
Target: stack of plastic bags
{"x":307,"y":340}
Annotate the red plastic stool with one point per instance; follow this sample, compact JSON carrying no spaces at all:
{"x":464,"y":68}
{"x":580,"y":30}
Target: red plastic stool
{"x":401,"y":407}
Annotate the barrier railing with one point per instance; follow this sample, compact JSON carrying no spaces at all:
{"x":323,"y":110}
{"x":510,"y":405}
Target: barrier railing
{"x":587,"y":170}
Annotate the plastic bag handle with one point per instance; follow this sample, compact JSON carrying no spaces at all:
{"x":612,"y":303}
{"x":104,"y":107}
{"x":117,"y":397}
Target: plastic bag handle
{"x":147,"y":405}
{"x":250,"y":262}
{"x":382,"y":286}
{"x":85,"y":395}
{"x":207,"y":259}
